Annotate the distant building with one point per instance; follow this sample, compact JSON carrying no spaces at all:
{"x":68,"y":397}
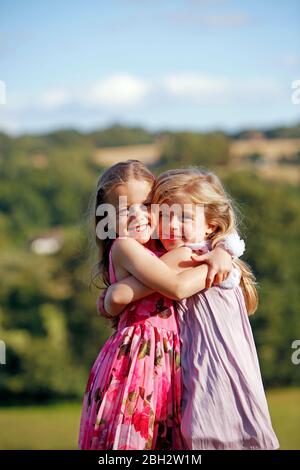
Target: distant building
{"x":47,"y":243}
{"x":254,"y":135}
{"x":39,"y":161}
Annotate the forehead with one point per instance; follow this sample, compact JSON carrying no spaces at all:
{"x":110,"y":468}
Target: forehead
{"x":136,"y":192}
{"x":183,"y":205}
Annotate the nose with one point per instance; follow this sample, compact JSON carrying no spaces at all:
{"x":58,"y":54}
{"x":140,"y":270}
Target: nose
{"x":175,"y":225}
{"x":137,"y":212}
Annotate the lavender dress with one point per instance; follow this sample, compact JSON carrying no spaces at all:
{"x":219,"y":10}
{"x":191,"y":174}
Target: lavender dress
{"x":224,"y":403}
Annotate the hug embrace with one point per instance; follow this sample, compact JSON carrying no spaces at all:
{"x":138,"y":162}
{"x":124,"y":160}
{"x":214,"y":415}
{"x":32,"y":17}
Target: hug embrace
{"x":180,"y":370}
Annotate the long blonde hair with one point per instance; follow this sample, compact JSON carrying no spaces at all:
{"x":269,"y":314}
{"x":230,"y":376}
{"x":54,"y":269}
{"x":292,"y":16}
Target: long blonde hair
{"x":201,"y":186}
{"x":115,"y":175}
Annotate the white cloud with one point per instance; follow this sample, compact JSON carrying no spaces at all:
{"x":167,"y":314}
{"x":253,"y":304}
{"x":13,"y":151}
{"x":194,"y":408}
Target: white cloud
{"x":126,"y":96}
{"x":118,"y":90}
{"x":125,"y":91}
{"x":204,"y":89}
{"x":257,"y":89}
{"x":195,"y":86}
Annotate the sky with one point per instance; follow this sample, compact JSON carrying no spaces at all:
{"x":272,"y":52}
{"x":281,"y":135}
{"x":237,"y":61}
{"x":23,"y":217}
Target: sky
{"x":160,"y":64}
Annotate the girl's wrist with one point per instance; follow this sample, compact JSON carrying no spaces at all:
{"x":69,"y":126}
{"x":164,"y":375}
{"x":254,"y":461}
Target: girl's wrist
{"x":233,"y":244}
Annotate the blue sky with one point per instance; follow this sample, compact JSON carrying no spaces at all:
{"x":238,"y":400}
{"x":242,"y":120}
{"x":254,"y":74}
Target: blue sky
{"x":177,"y":64}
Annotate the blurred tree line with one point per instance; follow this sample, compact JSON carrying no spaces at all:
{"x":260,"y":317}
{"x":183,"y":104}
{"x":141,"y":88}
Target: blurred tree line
{"x":291,"y":132}
{"x":48,"y":317}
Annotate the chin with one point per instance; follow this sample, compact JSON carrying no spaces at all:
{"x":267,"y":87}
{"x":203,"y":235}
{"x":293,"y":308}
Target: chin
{"x":143,"y":237}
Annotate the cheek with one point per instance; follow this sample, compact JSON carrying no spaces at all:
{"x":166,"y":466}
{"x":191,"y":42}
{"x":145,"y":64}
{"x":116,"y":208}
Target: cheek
{"x":163,"y":226}
{"x":159,"y":229}
{"x":194,"y":232}
{"x":154,"y":219}
{"x":123,"y":223}
{"x":189,"y":232}
{"x":121,"y":228}
{"x":200,"y":233}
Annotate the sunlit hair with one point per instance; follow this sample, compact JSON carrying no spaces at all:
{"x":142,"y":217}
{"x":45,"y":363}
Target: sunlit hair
{"x":117,"y":174}
{"x":200,"y":186}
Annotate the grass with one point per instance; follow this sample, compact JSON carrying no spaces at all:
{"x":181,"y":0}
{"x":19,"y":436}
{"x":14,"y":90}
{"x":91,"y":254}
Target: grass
{"x":56,"y":426}
{"x":284,"y":407}
{"x":40,"y":427}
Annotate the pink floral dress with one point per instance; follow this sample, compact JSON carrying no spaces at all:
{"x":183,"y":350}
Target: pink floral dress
{"x":133,"y":395}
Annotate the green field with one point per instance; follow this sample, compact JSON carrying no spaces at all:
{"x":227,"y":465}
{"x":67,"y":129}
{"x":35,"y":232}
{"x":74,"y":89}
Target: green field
{"x":56,"y":426}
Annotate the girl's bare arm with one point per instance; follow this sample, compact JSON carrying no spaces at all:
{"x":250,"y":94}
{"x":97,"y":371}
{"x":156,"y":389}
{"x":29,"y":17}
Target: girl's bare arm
{"x":181,"y":279}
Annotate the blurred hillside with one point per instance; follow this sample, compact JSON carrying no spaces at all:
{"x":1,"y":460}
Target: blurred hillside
{"x":48,"y":318}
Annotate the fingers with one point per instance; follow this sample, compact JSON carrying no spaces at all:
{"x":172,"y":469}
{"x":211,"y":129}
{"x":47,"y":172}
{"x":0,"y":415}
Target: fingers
{"x":218,"y":279}
{"x":200,"y":258}
{"x":100,"y":305}
{"x":210,"y":278}
{"x":215,"y":278}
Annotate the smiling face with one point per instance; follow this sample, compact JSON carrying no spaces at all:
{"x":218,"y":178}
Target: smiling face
{"x":132,"y":203}
{"x":185,"y":223}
